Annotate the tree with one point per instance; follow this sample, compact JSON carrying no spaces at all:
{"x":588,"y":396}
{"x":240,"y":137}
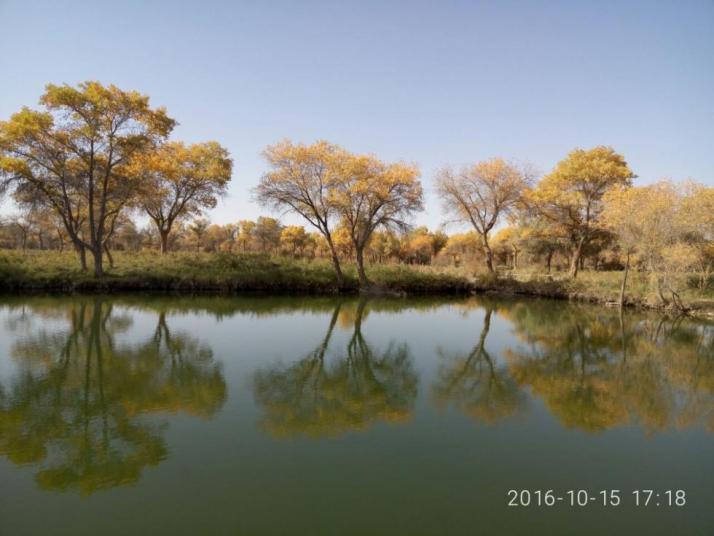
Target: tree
{"x":343,"y":243}
{"x":539,"y":238}
{"x":506,"y":245}
{"x":623,"y":214}
{"x":369,"y":194}
{"x":300,"y":182}
{"x":181,"y":181}
{"x":480,"y":195}
{"x":245,"y":235}
{"x":218,"y":238}
{"x":417,"y":246}
{"x":570,"y":197}
{"x":698,"y":210}
{"x":461,"y":246}
{"x":420,"y":245}
{"x":23,"y":227}
{"x":649,"y":220}
{"x":128,"y":237}
{"x":293,"y":239}
{"x":383,"y":245}
{"x":77,"y":155}
{"x":59,"y":231}
{"x":439,"y":239}
{"x":267,"y":234}
{"x":198,"y":229}
{"x":231,"y":231}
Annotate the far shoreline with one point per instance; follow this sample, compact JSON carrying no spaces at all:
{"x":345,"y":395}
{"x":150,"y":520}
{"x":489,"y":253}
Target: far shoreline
{"x":52,"y":273}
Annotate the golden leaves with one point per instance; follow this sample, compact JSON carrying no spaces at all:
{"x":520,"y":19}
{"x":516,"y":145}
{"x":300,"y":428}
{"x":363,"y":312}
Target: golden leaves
{"x":570,"y":197}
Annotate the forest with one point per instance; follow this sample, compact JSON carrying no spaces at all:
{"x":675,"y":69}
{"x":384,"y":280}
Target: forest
{"x":104,"y":194}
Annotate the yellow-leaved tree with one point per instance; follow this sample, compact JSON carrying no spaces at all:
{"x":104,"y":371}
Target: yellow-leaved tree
{"x":75,"y":156}
{"x":481,"y":194}
{"x":698,"y":215}
{"x":650,"y":221}
{"x":294,"y":239}
{"x":570,"y":197}
{"x":180,"y":181}
{"x":368,"y":193}
{"x":299,"y":181}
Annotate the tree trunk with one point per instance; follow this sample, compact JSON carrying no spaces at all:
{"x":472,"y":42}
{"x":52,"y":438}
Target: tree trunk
{"x":109,"y":255}
{"x":336,"y":263}
{"x":98,"y":255}
{"x":82,"y":253}
{"x":488,"y":253}
{"x":624,"y":280}
{"x":363,"y":281}
{"x":575,"y":261}
{"x":164,"y":239}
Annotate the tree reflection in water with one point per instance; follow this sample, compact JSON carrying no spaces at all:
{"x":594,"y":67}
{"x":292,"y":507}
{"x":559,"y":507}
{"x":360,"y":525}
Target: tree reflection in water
{"x":317,"y":396}
{"x":78,"y":408}
{"x":596,"y":369}
{"x":475,"y":383}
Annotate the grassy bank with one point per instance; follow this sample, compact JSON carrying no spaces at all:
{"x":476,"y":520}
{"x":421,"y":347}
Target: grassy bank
{"x":196,"y":272}
{"x":595,"y":287}
{"x":46,"y":270}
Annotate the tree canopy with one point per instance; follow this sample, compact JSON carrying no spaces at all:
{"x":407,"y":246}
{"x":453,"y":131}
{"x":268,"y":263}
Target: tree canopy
{"x":76,"y":155}
{"x":480,"y":195}
{"x":570,"y":197}
{"x":180,"y":181}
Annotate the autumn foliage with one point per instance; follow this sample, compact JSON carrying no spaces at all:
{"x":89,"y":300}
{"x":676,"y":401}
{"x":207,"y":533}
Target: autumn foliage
{"x":92,"y":158}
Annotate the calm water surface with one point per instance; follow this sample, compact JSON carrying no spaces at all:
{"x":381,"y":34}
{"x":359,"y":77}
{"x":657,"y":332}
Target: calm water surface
{"x":209,"y":415}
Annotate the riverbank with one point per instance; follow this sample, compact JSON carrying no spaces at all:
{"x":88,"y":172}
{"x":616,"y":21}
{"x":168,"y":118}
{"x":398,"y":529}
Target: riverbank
{"x":46,"y":271}
{"x":198,"y":272}
{"x":593,"y":287}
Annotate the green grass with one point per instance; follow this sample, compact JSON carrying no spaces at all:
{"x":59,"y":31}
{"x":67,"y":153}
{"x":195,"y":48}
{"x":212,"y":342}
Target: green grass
{"x":47,"y":270}
{"x":194,"y":272}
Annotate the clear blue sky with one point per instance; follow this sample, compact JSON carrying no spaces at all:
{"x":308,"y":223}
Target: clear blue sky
{"x":431,"y":82}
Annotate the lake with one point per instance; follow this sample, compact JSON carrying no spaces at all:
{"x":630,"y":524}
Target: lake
{"x":296,"y":415}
